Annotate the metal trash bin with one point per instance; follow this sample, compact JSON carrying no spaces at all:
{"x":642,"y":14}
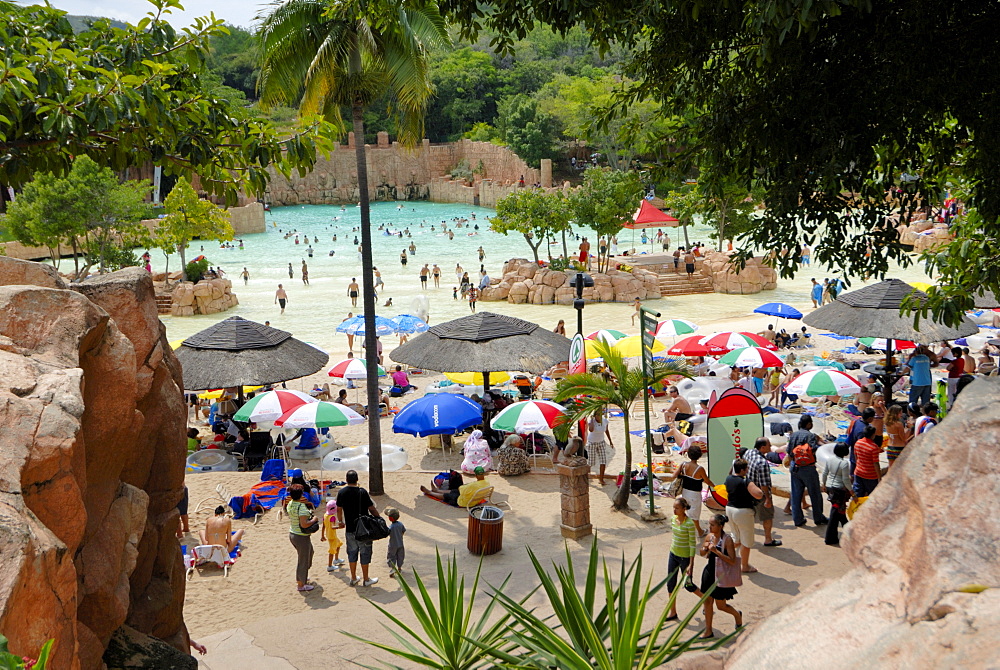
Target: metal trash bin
{"x":485,"y":530}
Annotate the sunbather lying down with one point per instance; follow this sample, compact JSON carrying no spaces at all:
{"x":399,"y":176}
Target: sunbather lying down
{"x":219,"y":530}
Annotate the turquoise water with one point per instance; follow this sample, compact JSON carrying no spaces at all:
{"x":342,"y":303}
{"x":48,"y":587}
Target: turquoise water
{"x":314,"y":311}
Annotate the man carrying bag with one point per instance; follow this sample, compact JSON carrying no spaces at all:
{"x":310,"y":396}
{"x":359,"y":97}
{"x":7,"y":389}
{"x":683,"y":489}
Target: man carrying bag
{"x":353,"y":502}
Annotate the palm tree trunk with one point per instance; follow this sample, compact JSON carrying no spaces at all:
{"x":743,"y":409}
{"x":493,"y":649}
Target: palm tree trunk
{"x":375,"y":482}
{"x":620,"y":502}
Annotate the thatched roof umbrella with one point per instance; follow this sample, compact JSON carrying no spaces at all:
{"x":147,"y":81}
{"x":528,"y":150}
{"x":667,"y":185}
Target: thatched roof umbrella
{"x":485,"y":342}
{"x":238,"y":352}
{"x":873,"y":311}
{"x":987,"y":300}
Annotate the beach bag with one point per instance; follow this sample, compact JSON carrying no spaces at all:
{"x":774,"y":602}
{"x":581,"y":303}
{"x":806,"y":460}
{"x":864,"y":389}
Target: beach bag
{"x":803,"y":455}
{"x":675,"y":487}
{"x":728,"y":576}
{"x":395,"y":392}
{"x":309,"y":530}
{"x":370,"y":528}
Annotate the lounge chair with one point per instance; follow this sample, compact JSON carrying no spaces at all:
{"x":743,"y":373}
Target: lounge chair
{"x":209,"y":554}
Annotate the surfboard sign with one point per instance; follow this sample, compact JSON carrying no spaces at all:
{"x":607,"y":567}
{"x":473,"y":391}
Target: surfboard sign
{"x":734,"y":421}
{"x":577,"y":355}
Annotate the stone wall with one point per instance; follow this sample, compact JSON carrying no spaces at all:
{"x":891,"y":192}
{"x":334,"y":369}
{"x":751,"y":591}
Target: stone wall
{"x":524,"y":281}
{"x":923,"y":235}
{"x":397,"y":173}
{"x":92,"y":454}
{"x":755,"y":276}
{"x":209,"y":296}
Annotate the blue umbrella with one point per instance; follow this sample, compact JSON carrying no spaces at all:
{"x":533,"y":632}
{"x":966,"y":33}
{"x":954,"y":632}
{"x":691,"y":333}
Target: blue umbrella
{"x":408,"y":324}
{"x":780,"y":310}
{"x":356,"y":326}
{"x":437,"y":414}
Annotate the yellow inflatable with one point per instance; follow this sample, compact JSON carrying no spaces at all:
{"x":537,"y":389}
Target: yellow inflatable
{"x":854,"y":506}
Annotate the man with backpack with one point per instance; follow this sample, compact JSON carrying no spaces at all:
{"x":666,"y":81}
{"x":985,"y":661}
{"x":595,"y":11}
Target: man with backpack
{"x":352,"y":502}
{"x":801,"y":459}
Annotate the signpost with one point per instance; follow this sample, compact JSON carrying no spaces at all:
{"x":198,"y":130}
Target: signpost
{"x":577,"y":355}
{"x":648,"y":321}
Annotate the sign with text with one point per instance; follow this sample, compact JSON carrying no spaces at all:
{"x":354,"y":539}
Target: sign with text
{"x":734,"y":421}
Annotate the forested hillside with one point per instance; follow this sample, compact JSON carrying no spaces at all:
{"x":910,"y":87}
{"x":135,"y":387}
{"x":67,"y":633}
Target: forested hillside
{"x":541,"y":101}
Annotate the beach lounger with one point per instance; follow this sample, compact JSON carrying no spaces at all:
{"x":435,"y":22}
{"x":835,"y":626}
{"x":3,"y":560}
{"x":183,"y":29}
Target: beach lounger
{"x":209,"y":554}
{"x":221,"y":497}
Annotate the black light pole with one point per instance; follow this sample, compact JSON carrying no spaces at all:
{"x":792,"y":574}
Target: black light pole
{"x":581,"y":281}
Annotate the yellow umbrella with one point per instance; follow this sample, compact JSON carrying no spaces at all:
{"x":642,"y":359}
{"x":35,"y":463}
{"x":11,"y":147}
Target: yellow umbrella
{"x":920,"y":285}
{"x":212,"y":395}
{"x":476,"y":378}
{"x":632,"y":346}
{"x":176,"y":343}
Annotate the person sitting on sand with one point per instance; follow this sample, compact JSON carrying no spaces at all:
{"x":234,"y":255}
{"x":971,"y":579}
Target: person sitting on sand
{"x":512,"y":459}
{"x":679,"y":408}
{"x":218,"y":530}
{"x":477,"y":453}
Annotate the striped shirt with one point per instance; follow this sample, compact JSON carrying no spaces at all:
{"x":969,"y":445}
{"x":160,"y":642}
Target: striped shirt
{"x":866,"y":456}
{"x":295,"y":509}
{"x":683,"y":544}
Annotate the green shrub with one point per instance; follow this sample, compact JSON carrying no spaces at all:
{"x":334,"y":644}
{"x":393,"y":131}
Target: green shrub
{"x":195,"y":270}
{"x":9,"y":661}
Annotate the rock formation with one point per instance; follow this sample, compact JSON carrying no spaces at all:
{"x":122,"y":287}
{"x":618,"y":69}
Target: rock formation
{"x":923,"y":235}
{"x":924,"y":591}
{"x":755,"y":276}
{"x":91,"y":464}
{"x":523,"y":281}
{"x":209,"y":296}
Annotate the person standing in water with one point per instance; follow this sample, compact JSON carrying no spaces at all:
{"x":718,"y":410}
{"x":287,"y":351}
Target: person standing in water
{"x":245,"y":275}
{"x":436,"y":273}
{"x":403,"y":258}
{"x":305,"y":273}
{"x":352,"y":291}
{"x":378,"y":278}
{"x":291,"y":273}
{"x":424,"y":273}
{"x":281,"y":298}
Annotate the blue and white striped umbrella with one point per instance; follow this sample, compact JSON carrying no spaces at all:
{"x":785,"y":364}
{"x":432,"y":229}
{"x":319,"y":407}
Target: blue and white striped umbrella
{"x":407,"y":324}
{"x":356,"y":326}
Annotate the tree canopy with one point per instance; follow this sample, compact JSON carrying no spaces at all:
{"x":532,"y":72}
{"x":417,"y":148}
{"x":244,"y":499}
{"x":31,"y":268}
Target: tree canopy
{"x":188,"y":217}
{"x":536,"y":214}
{"x":605,"y":203}
{"x":824,"y":104}
{"x":127,"y":97}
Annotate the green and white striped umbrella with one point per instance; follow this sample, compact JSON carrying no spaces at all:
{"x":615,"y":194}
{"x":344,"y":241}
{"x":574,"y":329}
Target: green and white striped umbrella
{"x":818,"y":383}
{"x":675,"y":327}
{"x":528,"y":416}
{"x":609,"y":336}
{"x":319,"y":415}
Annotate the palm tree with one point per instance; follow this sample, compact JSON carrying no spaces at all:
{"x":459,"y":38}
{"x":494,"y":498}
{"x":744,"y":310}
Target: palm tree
{"x":622,"y":388}
{"x":329,"y":55}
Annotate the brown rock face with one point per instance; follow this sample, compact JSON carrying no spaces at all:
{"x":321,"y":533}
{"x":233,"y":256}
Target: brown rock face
{"x":923,"y":592}
{"x":91,"y":466}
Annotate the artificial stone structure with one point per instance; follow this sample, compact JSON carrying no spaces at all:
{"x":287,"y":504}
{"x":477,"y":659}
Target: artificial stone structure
{"x":523,"y":281}
{"x":574,"y":498}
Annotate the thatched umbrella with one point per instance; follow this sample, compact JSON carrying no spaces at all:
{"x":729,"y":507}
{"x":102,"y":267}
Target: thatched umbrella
{"x":237,"y":352}
{"x":873,"y":311}
{"x":987,"y":300}
{"x":485,"y":342}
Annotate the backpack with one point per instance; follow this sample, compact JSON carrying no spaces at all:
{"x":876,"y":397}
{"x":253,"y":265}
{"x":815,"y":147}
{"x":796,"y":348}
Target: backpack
{"x":803,"y":455}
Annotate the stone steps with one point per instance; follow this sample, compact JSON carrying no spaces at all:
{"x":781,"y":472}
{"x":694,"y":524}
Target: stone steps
{"x":163,"y":303}
{"x":680,"y":284}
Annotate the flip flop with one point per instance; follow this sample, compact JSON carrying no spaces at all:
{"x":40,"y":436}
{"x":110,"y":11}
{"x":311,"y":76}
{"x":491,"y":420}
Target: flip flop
{"x":773,"y":543}
{"x":750,"y":571}
{"x":671,"y":618}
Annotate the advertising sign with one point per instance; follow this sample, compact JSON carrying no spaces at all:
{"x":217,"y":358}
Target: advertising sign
{"x":734,"y":421}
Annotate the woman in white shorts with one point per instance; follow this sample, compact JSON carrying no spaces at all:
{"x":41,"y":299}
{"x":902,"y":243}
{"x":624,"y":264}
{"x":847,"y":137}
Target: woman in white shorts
{"x":693,"y":476}
{"x":742,"y":498}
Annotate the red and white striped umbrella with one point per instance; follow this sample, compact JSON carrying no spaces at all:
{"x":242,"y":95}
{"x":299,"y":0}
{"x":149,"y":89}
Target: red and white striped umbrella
{"x":269,"y":406}
{"x":720,"y":343}
{"x":528,"y":416}
{"x":319,"y":415}
{"x":689,"y":346}
{"x":353,"y":368}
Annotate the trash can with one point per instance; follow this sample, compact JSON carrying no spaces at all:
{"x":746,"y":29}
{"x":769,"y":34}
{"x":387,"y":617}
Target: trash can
{"x":485,"y":530}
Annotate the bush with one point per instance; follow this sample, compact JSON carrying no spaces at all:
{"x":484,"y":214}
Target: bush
{"x":115,"y":257}
{"x":195,"y":270}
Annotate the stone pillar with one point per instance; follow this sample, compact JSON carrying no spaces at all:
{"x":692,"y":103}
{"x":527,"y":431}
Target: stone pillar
{"x":383,"y":139}
{"x":350,"y":140}
{"x":574,"y":486}
{"x":546,"y":173}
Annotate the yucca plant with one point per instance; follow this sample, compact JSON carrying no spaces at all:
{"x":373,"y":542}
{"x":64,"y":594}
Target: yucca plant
{"x":578,"y":636}
{"x":447,"y":638}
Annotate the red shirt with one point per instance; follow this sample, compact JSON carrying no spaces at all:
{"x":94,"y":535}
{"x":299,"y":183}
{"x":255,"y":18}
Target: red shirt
{"x":866,"y":459}
{"x":956,"y":368}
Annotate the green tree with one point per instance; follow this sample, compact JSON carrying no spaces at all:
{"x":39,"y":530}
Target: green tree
{"x":43,"y":217}
{"x":129,"y":97}
{"x":825,"y":104}
{"x":534,"y":213}
{"x":189,"y":217}
{"x":528,"y":131}
{"x":605,"y":202}
{"x":465,"y":85}
{"x":347,"y":55}
{"x":722,"y":202}
{"x":622,"y":388}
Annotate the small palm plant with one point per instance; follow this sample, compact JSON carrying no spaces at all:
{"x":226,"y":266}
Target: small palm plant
{"x":582,"y":637}
{"x":447,"y":638}
{"x":622,"y":388}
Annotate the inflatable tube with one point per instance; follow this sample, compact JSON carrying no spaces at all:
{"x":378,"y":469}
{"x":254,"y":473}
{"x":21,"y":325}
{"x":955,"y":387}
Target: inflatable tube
{"x":211,"y":460}
{"x":824,"y":454}
{"x":356,"y":458}
{"x":700,"y":388}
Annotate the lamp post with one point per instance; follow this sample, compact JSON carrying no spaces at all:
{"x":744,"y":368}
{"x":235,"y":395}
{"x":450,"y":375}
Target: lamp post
{"x":580,"y":281}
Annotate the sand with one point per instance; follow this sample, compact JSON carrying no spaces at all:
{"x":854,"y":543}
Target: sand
{"x":256,"y":619}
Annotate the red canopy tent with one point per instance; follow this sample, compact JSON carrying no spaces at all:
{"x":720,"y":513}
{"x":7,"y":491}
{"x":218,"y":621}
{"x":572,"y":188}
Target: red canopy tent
{"x":648,"y":216}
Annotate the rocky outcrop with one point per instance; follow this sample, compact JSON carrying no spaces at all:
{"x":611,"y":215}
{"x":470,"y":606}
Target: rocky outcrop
{"x":923,"y":235}
{"x":209,"y":296}
{"x":15,"y":271}
{"x":91,"y":467}
{"x":924,"y":591}
{"x":756,"y":275}
{"x":523,"y":281}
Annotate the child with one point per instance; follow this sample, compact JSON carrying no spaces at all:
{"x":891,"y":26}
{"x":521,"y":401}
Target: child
{"x":454,"y":293}
{"x":330,"y":525}
{"x":395,"y":554}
